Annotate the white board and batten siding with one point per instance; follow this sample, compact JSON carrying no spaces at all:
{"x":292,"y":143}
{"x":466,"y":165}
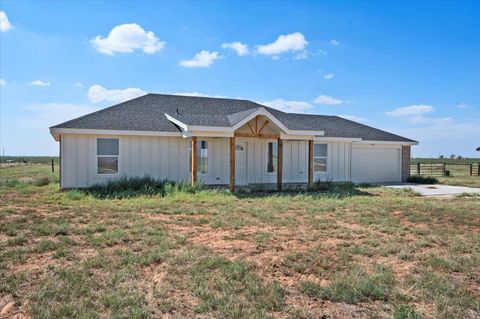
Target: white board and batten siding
{"x":295,"y":161}
{"x":338,"y":162}
{"x":168,"y":158}
{"x":159,"y":157}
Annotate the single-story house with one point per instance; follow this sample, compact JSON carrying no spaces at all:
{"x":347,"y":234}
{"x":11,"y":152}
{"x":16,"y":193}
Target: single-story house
{"x":229,"y":142}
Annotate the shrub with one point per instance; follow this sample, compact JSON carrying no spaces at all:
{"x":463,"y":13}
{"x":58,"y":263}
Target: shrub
{"x":41,"y":181}
{"x":320,"y":185}
{"x":332,"y":187}
{"x":12,"y":182}
{"x":127,"y":187}
{"x":419,"y":179}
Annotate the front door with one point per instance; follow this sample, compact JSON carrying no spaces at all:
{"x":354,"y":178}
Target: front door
{"x":241,"y":163}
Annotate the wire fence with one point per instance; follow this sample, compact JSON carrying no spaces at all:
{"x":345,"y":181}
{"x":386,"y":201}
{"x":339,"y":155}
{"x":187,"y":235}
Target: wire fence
{"x":445,"y":169}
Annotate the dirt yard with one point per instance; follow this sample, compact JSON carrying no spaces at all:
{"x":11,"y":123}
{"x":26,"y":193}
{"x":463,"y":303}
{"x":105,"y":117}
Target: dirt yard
{"x":379,"y":253}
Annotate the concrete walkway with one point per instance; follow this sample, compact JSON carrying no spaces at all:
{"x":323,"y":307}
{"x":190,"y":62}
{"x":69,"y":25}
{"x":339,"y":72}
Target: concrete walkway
{"x":437,"y":189}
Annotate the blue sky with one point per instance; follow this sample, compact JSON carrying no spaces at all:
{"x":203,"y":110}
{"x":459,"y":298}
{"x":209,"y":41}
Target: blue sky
{"x":410,"y":68}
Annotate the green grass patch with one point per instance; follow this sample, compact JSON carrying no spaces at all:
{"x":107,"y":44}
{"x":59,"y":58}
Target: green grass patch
{"x":231,"y":289}
{"x":354,"y":285}
{"x":405,"y":312}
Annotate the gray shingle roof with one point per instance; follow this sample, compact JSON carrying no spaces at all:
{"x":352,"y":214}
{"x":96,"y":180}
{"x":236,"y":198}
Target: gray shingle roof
{"x":147,"y":113}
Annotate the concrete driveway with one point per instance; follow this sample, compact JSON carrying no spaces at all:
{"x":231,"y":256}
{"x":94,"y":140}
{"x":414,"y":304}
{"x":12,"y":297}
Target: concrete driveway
{"x":437,"y":189}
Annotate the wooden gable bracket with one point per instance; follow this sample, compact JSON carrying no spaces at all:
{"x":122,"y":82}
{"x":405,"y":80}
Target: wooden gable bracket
{"x":257,"y":132}
{"x":250,"y":127}
{"x":261,"y":128}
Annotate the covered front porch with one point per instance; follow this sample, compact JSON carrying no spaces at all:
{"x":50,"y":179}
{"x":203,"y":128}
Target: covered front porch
{"x":258,"y":153}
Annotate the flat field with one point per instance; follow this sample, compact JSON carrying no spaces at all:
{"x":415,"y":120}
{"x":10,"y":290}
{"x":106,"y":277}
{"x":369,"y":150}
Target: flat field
{"x":371,"y":253}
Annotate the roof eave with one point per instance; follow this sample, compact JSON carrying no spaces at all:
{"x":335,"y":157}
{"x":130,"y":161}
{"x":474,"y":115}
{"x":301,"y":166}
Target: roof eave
{"x":387,"y":142}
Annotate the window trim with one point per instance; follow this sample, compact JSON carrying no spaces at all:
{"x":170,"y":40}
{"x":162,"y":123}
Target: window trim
{"x":266,"y":157}
{"x":189,"y":154}
{"x":118,"y":156}
{"x":321,"y":157}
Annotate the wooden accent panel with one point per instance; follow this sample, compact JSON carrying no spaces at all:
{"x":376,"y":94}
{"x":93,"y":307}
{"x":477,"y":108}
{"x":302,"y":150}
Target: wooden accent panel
{"x":232,"y":164}
{"x":310,"y":163}
{"x":250,"y":127}
{"x":280,"y":165}
{"x":261,"y":127}
{"x":194,"y":160}
{"x":256,"y":131}
{"x":273,"y":136}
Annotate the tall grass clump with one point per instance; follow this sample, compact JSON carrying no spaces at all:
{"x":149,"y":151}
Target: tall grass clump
{"x":329,"y":186}
{"x":41,"y":181}
{"x":419,"y":179}
{"x":127,"y":187}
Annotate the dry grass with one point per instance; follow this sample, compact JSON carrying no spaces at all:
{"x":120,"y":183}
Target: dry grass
{"x":381,"y":254}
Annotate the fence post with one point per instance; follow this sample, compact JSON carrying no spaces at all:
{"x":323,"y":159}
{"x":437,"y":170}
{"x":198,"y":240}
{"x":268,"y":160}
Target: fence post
{"x":444,"y":169}
{"x":418,"y":168}
{"x":471,"y":169}
{"x":53,"y":166}
{"x":478,"y":169}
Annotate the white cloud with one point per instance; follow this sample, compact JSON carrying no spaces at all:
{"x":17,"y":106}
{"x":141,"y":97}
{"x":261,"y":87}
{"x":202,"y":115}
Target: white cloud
{"x":126,"y":38}
{"x":78,"y":84}
{"x":415,"y":114}
{"x":411,"y":110}
{"x":41,"y":116}
{"x":301,"y":56}
{"x":443,"y":139}
{"x":329,"y":76}
{"x":354,"y":118}
{"x":203,"y":59}
{"x":321,"y":52}
{"x":289,"y":106}
{"x":3,"y":82}
{"x":39,"y":83}
{"x":334,"y":42}
{"x":284,"y":43}
{"x":419,"y":119}
{"x":199,"y":94}
{"x":327,"y":100}
{"x":98,"y":93}
{"x":4,"y":23}
{"x":464,"y":106}
{"x":239,"y":47}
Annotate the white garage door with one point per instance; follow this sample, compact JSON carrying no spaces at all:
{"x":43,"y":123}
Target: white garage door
{"x":376,"y":164}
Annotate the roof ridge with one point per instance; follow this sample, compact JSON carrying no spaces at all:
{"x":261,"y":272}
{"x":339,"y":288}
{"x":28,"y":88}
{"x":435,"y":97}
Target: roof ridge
{"x":201,"y":97}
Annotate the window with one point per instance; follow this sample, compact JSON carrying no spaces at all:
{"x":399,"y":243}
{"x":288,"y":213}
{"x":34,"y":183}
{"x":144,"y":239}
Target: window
{"x":320,"y":155}
{"x":107,"y":155}
{"x":202,"y":157}
{"x":272,"y":157}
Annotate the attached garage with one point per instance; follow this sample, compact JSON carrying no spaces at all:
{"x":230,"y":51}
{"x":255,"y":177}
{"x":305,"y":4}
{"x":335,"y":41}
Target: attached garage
{"x":376,"y":163}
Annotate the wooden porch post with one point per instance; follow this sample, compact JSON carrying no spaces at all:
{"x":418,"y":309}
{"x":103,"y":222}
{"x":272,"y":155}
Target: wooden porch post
{"x":194,"y":160}
{"x":310,"y":163}
{"x":232,"y":164}
{"x":60,"y":160}
{"x":279,"y":165}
